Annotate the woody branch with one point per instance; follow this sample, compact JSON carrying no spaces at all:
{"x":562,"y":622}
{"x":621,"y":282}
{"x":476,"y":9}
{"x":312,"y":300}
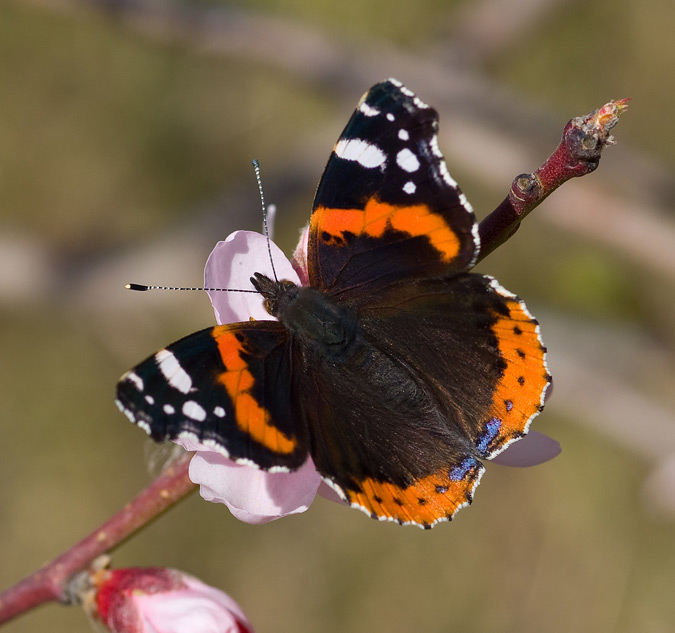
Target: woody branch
{"x":578,"y":154}
{"x":50,"y":583}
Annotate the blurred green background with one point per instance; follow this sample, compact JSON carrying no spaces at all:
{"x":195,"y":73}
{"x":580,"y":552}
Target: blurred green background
{"x":126,"y":135}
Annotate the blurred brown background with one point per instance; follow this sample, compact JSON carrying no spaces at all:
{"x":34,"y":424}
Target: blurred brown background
{"x":126,"y":134}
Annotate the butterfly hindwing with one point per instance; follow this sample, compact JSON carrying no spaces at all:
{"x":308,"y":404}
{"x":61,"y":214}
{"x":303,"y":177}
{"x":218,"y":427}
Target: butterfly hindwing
{"x":476,"y":348}
{"x":426,"y":501}
{"x":227,"y":386}
{"x":386,"y":208}
{"x":525,"y":380}
{"x":445,"y":372}
{"x":380,"y":440}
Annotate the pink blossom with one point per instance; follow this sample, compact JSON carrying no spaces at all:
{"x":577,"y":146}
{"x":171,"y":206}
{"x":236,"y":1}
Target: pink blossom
{"x":531,"y":450}
{"x":159,"y":600}
{"x":257,"y":496}
{"x":252,"y":495}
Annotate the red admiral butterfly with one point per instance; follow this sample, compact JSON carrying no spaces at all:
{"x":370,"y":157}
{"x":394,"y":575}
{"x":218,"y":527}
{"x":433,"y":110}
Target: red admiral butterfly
{"x":394,"y":369}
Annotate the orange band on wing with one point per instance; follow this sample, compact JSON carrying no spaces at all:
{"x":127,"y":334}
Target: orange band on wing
{"x":376,"y":217}
{"x":519,"y":394}
{"x":237,"y":379}
{"x":426,"y":502}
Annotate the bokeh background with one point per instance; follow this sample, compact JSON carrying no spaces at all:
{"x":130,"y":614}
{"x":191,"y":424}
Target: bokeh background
{"x":126,"y":134}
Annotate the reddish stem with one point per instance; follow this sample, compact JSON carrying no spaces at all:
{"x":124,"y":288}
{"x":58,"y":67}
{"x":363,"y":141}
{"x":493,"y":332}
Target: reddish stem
{"x":578,"y":154}
{"x":50,"y":582}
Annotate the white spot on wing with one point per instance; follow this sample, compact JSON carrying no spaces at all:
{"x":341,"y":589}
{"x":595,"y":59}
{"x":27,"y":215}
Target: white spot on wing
{"x":465,"y":203}
{"x":126,"y":411}
{"x":171,"y":369}
{"x":364,"y":153}
{"x":150,"y":400}
{"x":194,"y":411}
{"x":135,"y":379}
{"x":408,"y":93}
{"x":407,"y":161}
{"x":433,"y":143}
{"x":410,"y":187}
{"x":168,"y":409}
{"x":368,"y":110}
{"x":390,"y":116}
{"x":219,"y":411}
{"x":500,"y":290}
{"x":445,"y":174}
{"x":476,"y":242}
{"x":403,"y":135}
{"x":418,"y":102}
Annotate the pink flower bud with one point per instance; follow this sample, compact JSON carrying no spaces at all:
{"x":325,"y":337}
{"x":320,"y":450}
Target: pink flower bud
{"x":159,"y":600}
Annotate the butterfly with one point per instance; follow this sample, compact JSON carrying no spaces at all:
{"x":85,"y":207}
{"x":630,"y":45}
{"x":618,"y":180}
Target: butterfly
{"x":395,"y":369}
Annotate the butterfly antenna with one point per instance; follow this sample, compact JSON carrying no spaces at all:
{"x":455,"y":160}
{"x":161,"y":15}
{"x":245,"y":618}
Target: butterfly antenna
{"x":143,"y":288}
{"x":271,"y":212}
{"x":267,"y":212}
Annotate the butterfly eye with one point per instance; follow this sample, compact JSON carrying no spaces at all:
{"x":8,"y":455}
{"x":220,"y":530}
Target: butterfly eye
{"x":271,"y":306}
{"x":287,"y":285}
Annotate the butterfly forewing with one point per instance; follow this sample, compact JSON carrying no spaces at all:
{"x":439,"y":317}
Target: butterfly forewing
{"x":228,"y":386}
{"x":386,"y":208}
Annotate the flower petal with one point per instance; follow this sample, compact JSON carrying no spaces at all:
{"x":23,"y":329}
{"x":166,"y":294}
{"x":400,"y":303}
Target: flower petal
{"x":231,"y":265}
{"x":531,"y":450}
{"x":252,"y":495}
{"x":299,"y":259}
{"x":160,"y":600}
{"x":198,"y":607}
{"x":330,"y":494}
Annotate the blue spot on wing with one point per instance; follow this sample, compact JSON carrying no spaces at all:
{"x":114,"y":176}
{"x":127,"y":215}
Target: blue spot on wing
{"x":457,"y":473}
{"x":491,"y":431}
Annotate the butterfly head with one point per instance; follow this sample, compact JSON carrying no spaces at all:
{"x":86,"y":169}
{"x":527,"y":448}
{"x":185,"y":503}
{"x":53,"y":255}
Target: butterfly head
{"x":278,"y":295}
{"x":309,"y":313}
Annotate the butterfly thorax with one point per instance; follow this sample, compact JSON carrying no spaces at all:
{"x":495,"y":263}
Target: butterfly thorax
{"x":310,"y":314}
